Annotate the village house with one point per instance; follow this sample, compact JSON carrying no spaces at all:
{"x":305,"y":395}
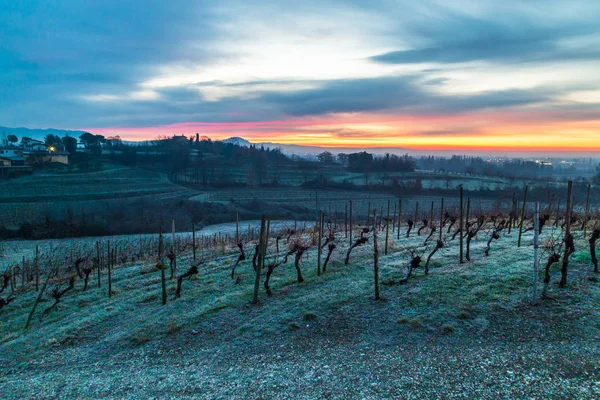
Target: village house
{"x":12,"y":163}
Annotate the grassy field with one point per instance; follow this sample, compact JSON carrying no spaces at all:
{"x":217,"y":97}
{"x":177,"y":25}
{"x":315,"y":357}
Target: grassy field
{"x":464,"y":331}
{"x":32,"y":198}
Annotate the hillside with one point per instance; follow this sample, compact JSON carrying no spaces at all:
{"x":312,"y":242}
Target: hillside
{"x":464,"y":331}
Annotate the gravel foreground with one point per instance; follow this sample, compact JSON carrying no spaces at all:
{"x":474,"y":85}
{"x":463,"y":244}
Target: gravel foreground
{"x":313,"y":368}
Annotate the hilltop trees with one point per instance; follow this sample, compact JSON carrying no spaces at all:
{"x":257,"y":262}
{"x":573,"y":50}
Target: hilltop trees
{"x":92,"y":142}
{"x":326,"y":157}
{"x":366,"y":162}
{"x":70,"y":144}
{"x":53,"y":140}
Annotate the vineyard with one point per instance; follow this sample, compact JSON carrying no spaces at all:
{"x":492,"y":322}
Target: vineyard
{"x":398,"y":276}
{"x":335,"y":201}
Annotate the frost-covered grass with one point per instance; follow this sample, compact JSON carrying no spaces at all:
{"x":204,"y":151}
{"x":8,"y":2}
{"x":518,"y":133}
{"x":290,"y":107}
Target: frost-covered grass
{"x":485,"y":299}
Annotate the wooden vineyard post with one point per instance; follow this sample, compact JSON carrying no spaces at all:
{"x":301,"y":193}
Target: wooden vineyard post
{"x":399,"y":218}
{"x":266,"y":243}
{"x":368,"y":214}
{"x":194,"y":238}
{"x":431,"y":214}
{"x":522,"y":216}
{"x":394,"y":220}
{"x":345,"y":220}
{"x":468,"y":214}
{"x":37,"y":300}
{"x":237,"y":228}
{"x":375,"y":256}
{"x":319,"y":251}
{"x":567,"y":253}
{"x":441,"y":218}
{"x":37,"y":267}
{"x":99,"y":262}
{"x":587,"y":211}
{"x":536,"y":229}
{"x":511,"y":216}
{"x":23,"y":274}
{"x":416,"y":213}
{"x":460,"y":228}
{"x":387,"y":229}
{"x":260,"y":260}
{"x":350,"y":223}
{"x":109,"y":262}
{"x":161,"y":265}
{"x":174,"y":240}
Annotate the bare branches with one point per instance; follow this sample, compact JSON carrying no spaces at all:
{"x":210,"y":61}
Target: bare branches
{"x":498,"y":227}
{"x":439,"y":244}
{"x":592,"y":241}
{"x":240,"y":258}
{"x":57,"y":293}
{"x":359,"y":242}
{"x":299,"y":253}
{"x":270,"y":268}
{"x":414,"y":263}
{"x":330,"y":249}
{"x":192,"y":271}
{"x":4,"y":302}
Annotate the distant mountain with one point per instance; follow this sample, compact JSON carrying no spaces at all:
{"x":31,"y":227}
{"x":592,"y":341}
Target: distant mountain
{"x":38,"y":133}
{"x":237,"y":141}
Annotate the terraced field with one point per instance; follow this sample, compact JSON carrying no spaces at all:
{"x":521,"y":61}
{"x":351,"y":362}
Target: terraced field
{"x":337,"y":200}
{"x":32,"y":198}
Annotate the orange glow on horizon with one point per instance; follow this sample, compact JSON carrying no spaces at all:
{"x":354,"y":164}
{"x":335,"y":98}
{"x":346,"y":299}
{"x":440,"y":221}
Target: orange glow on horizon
{"x":514,"y":131}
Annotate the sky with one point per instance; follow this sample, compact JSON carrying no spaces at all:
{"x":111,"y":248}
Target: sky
{"x":439,"y":75}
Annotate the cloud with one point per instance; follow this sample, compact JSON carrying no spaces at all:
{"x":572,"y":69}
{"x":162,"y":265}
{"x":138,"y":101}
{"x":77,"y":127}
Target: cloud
{"x":404,"y":94}
{"x":513,"y":38}
{"x":349,"y":95}
{"x":145,"y":63}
